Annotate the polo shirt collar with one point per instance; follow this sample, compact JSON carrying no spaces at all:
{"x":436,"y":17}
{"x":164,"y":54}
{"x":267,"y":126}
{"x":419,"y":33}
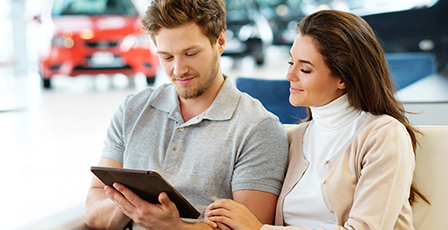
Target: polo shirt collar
{"x":222,"y":108}
{"x":225,"y":103}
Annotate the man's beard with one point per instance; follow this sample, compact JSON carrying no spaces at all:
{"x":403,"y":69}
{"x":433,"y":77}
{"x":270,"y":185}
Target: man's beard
{"x":202,"y":85}
{"x":195,"y":92}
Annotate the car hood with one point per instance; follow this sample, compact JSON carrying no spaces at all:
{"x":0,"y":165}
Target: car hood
{"x":111,"y":25}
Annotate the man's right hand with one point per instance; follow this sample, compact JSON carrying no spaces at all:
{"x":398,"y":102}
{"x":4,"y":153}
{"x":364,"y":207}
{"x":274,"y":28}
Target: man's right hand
{"x":101,"y":212}
{"x":163,"y":216}
{"x":113,"y":207}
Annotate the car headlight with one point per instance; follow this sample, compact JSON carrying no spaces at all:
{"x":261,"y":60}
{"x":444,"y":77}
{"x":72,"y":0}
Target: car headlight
{"x":135,"y":41}
{"x":57,"y":41}
{"x":62,"y":42}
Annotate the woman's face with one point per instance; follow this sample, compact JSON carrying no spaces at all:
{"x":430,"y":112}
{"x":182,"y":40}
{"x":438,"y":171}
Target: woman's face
{"x":311,"y":81}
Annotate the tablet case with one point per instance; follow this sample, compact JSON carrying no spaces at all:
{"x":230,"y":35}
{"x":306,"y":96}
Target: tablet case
{"x":147,"y":185}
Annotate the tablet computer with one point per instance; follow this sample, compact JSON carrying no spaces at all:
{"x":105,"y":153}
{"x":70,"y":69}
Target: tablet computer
{"x":147,"y":185}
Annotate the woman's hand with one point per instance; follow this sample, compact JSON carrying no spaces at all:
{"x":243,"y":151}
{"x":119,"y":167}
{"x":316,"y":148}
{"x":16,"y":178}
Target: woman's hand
{"x":228,"y":214}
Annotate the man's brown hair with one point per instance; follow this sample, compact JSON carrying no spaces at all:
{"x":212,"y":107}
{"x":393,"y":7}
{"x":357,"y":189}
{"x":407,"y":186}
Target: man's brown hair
{"x":209,"y":15}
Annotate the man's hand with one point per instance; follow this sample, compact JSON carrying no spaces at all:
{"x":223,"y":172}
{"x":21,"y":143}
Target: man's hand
{"x":151,"y":216}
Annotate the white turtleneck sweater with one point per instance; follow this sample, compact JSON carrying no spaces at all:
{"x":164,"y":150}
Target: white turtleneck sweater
{"x":332,"y":126}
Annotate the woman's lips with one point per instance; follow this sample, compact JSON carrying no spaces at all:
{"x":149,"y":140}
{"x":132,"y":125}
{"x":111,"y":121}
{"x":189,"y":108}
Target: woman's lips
{"x":292,"y":89}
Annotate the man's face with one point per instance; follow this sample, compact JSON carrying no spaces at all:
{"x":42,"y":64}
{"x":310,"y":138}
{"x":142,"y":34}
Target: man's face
{"x":188,"y":58}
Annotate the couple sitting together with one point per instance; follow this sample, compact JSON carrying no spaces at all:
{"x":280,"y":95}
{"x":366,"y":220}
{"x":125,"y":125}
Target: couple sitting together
{"x":349,"y":165}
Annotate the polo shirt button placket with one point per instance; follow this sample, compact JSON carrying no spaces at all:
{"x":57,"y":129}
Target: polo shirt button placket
{"x":181,"y":129}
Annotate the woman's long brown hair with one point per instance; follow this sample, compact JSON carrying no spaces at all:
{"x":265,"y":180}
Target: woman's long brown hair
{"x":351,"y":50}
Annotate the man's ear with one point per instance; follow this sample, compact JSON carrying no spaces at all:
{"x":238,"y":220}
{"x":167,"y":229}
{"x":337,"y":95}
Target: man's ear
{"x":222,"y":42}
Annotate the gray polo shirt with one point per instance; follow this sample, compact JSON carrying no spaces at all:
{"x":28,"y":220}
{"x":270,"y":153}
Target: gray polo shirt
{"x":235,"y":144}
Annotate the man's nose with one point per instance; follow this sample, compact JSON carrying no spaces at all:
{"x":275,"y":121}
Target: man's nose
{"x":179,"y":68}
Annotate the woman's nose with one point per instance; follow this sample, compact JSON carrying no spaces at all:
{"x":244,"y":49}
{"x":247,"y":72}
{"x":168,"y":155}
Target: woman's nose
{"x":291,"y":75}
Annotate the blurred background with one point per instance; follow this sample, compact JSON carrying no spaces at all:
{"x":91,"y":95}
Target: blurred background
{"x":65,"y":66}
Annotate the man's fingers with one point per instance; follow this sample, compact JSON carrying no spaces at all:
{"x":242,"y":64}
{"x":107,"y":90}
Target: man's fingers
{"x":130,"y":196}
{"x":166,"y":204}
{"x":114,"y":194}
{"x":164,"y":199}
{"x":108,"y":189}
{"x":118,"y":198}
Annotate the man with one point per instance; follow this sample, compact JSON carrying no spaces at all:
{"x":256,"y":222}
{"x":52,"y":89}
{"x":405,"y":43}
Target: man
{"x":199,"y":132}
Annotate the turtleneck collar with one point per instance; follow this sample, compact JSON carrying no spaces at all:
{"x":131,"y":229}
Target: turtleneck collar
{"x":335,"y":114}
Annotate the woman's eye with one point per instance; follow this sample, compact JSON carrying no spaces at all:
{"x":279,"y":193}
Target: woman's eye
{"x":305,"y":71}
{"x":290,"y":63}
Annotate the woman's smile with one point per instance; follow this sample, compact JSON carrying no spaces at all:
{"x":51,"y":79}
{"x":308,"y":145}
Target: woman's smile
{"x":293,"y":89}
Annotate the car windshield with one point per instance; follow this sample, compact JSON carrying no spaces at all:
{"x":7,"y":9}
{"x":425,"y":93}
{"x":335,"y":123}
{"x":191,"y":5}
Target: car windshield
{"x":233,"y":5}
{"x":282,"y":8}
{"x":236,"y":10}
{"x":93,"y":7}
{"x":359,"y":7}
{"x":275,"y":3}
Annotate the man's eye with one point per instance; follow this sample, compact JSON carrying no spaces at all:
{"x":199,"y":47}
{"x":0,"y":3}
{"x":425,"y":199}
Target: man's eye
{"x":290,"y":63}
{"x":191,"y":54}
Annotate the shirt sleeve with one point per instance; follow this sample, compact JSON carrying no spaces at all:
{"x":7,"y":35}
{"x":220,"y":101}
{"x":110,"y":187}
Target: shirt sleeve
{"x":263,"y":161}
{"x":114,"y":145}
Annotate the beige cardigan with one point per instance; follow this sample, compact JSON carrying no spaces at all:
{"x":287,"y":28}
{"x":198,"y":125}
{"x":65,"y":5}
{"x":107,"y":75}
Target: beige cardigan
{"x":367,"y":183}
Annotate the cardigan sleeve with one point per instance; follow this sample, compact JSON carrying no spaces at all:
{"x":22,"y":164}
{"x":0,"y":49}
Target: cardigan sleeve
{"x":386,"y":164}
{"x":270,"y":227}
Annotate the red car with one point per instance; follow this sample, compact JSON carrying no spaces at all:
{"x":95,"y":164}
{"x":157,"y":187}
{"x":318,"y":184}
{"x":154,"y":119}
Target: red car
{"x":95,"y":36}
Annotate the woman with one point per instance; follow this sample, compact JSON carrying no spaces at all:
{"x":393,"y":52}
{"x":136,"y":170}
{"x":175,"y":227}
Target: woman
{"x":352,"y":162}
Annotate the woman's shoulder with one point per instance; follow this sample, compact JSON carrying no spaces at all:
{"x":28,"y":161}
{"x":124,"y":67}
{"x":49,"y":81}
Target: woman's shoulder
{"x":374,"y":122}
{"x":376,"y":126}
{"x":296,"y":130}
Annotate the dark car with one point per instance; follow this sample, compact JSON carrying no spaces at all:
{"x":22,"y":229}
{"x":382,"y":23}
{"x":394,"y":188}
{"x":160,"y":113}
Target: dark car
{"x":248,"y":32}
{"x":283,"y":16}
{"x":419,"y":29}
{"x":92,"y":37}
